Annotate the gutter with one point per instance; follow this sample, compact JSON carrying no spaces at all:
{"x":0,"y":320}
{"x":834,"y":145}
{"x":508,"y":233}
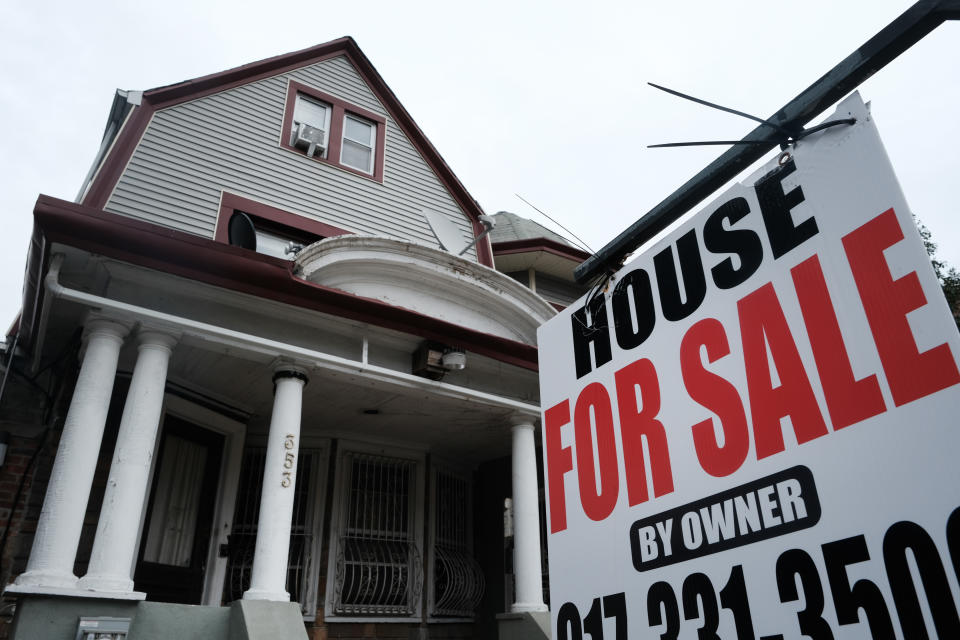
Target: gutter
{"x":547,"y":245}
{"x":252,"y":344}
{"x":208,"y":261}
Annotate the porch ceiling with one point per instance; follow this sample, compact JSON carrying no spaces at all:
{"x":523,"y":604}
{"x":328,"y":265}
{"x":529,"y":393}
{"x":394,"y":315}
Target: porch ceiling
{"x":339,"y":405}
{"x":230,"y":344}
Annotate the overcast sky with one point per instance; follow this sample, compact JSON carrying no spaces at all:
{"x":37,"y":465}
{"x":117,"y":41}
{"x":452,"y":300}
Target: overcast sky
{"x":548,"y":99}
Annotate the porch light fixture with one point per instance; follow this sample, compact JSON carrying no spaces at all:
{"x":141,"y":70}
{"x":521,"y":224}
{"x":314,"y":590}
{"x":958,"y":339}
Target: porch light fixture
{"x":433,"y":360}
{"x":454,"y":359}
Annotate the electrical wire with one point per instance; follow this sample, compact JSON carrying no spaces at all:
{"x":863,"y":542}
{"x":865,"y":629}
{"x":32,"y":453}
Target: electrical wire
{"x":19,"y":494}
{"x":583,"y":244}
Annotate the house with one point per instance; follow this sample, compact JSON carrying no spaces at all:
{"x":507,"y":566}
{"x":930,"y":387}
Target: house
{"x":272,"y":363}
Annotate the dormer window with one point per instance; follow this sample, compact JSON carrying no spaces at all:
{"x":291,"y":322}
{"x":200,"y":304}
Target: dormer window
{"x":333,"y":131}
{"x":277,"y":241}
{"x":268,"y":230}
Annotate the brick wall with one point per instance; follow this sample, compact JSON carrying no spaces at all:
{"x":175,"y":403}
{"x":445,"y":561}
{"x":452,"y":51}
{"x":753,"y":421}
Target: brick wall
{"x":391,"y":631}
{"x":35,"y":420}
{"x":17,"y":491}
{"x":25,"y":409}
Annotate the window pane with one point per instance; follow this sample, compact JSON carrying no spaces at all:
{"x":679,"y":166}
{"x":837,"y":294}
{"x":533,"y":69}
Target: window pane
{"x":356,"y":156}
{"x":358,"y":131}
{"x":272,"y":244}
{"x":310,"y":112}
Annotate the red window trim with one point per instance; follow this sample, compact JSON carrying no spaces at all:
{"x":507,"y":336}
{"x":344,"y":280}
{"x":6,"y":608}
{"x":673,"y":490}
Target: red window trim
{"x":335,"y":136}
{"x":230,"y":203}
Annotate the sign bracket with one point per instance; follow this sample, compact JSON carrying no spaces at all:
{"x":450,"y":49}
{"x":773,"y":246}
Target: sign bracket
{"x":898,"y":36}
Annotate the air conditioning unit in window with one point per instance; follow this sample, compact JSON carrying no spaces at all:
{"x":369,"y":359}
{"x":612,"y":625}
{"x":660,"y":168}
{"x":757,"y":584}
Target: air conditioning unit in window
{"x":312,"y":138}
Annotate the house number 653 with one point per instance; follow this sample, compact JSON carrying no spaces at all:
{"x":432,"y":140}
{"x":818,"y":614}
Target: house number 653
{"x":289,"y":458}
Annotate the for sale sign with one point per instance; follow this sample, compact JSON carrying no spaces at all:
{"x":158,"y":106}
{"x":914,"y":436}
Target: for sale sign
{"x":752,"y":431}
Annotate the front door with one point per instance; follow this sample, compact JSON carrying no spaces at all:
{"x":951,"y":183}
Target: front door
{"x":176,"y":533}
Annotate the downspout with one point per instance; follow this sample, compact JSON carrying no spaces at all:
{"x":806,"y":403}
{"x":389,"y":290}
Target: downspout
{"x":255,"y":344}
{"x":37,"y":326}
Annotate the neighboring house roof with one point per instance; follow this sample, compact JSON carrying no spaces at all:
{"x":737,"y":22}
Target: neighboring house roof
{"x":516,"y":234}
{"x":512,"y":227}
{"x":123,"y":143}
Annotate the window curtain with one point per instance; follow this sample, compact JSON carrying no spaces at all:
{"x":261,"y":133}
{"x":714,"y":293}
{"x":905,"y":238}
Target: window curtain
{"x":173,"y":523}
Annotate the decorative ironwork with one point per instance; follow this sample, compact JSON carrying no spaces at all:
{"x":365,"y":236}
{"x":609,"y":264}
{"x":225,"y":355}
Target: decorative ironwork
{"x":301,"y":566}
{"x":458,"y":581}
{"x":378,"y":564}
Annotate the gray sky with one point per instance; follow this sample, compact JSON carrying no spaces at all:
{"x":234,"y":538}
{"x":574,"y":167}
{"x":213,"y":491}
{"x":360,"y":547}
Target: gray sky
{"x":545,"y":99}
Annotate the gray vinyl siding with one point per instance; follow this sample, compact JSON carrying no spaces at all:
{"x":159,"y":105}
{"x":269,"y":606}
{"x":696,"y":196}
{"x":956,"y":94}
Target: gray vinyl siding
{"x":229,"y":142}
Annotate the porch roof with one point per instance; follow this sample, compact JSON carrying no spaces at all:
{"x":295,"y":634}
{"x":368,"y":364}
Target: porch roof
{"x":204,"y":260}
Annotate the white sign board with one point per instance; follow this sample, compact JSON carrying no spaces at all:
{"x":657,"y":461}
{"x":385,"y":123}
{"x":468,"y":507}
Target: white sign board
{"x":753,"y":432}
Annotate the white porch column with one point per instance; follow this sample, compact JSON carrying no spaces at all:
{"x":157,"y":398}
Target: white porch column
{"x":115,"y":545}
{"x":269,"y":574}
{"x":50,"y":567}
{"x":526,"y":520}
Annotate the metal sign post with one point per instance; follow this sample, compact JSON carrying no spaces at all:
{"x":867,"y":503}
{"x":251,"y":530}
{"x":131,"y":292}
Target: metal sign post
{"x":753,"y":435}
{"x":890,"y":42}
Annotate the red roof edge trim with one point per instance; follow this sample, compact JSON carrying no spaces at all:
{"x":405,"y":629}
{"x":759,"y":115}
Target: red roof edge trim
{"x":113,"y":165}
{"x":539,"y":244}
{"x":426,"y":148}
{"x":194,"y":88}
{"x":229,"y":267}
{"x":208,"y":85}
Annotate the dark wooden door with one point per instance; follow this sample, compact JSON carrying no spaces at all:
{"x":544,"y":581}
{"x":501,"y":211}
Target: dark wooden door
{"x":177,"y":530}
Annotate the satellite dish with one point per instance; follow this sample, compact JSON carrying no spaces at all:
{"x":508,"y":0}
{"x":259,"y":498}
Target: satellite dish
{"x":241,"y":231}
{"x":446,"y":233}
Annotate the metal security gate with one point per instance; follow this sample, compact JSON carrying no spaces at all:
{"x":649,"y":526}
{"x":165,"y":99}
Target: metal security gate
{"x":458,"y":581}
{"x":377,"y":563}
{"x":305,"y":532}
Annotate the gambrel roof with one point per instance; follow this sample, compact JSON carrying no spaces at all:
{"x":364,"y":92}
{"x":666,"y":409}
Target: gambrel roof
{"x":122,"y":139}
